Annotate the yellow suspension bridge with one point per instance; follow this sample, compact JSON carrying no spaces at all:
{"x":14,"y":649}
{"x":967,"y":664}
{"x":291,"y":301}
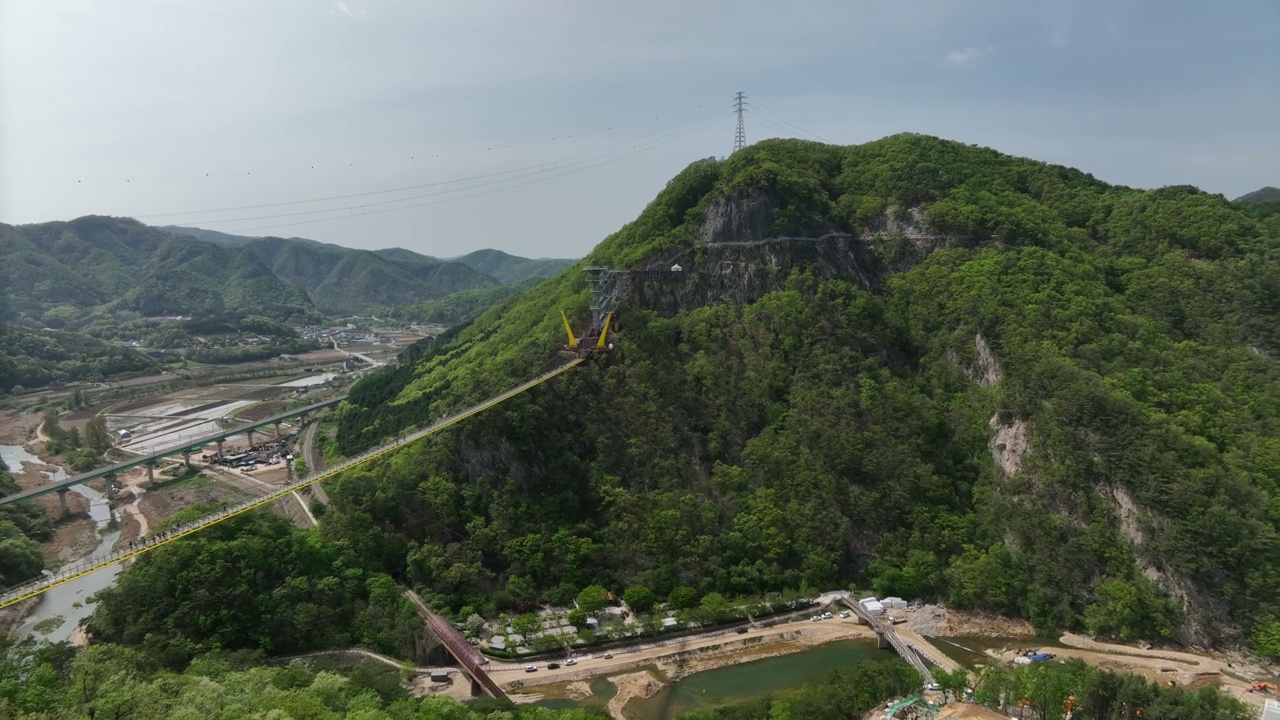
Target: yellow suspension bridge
{"x":98,"y":562}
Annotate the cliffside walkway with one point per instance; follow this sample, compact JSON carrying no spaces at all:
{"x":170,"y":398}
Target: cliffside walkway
{"x":457,"y":646}
{"x":97,"y":562}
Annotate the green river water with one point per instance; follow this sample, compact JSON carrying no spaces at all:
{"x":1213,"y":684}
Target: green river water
{"x":736,"y":683}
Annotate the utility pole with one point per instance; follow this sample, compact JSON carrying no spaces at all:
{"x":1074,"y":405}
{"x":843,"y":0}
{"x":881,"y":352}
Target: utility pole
{"x":740,"y":137}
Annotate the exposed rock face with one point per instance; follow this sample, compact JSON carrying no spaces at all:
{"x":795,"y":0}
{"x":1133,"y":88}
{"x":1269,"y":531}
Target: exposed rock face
{"x":743,"y":272}
{"x":1009,"y":442}
{"x":745,"y":216}
{"x":987,"y":369}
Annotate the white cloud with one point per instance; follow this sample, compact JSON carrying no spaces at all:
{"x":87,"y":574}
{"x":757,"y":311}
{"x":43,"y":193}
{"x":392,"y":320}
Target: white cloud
{"x":966,"y":59}
{"x":341,"y":7}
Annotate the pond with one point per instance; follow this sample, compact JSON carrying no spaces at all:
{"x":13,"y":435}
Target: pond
{"x":736,"y":683}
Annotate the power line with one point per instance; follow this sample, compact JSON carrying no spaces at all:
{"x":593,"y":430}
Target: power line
{"x":359,"y":210}
{"x":767,"y":112}
{"x":740,"y":135}
{"x":528,"y":169}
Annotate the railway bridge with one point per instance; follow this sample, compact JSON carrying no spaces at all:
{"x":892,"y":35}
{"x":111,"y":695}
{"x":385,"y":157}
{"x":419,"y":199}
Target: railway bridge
{"x":457,"y":646}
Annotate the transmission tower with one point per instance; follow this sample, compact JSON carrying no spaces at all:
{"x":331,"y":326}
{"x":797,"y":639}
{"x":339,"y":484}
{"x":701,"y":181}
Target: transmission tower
{"x":740,"y":137}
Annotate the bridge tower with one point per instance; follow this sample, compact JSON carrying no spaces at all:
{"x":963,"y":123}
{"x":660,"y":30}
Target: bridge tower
{"x":606,"y":293}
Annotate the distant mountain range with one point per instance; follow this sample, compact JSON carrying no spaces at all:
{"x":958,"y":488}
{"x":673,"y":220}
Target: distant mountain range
{"x":96,"y":263}
{"x":345,"y":280}
{"x":1262,"y":196}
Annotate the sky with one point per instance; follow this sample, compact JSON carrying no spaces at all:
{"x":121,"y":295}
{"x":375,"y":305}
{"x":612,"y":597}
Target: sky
{"x":538,"y":128}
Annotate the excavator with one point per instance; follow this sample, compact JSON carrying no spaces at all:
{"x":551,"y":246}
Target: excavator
{"x":1264,"y":687}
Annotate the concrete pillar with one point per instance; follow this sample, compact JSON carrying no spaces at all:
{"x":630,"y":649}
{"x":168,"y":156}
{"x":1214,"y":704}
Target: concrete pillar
{"x":277,"y":428}
{"x":249,"y":434}
{"x":302,"y":421}
{"x":62,"y":500}
{"x":186,"y":458}
{"x":882,"y":642}
{"x":476,"y":688}
{"x":220,"y":448}
{"x":151,"y":472}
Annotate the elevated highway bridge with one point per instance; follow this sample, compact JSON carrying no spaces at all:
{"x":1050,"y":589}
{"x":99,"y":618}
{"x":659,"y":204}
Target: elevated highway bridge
{"x":149,"y":458}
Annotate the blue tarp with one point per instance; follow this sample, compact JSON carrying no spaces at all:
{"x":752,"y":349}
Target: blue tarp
{"x":1039,"y":657}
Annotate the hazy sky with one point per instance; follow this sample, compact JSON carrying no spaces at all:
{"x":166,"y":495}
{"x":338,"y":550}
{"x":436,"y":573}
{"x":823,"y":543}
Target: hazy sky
{"x":154,"y":108}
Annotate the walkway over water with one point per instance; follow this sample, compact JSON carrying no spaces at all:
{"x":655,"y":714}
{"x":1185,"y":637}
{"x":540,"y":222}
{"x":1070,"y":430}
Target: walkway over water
{"x":194,"y":444}
{"x":98,"y":562}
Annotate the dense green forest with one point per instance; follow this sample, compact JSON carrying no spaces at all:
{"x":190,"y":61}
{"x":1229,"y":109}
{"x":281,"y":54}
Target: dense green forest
{"x":57,"y":682}
{"x":21,"y":526}
{"x":254,"y":583}
{"x":459,"y":307}
{"x":1017,"y":388}
{"x":31,"y":359}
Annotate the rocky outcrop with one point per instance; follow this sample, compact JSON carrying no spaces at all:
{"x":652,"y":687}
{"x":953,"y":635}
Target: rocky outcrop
{"x":1009,"y":442}
{"x":742,"y":272}
{"x":745,"y":215}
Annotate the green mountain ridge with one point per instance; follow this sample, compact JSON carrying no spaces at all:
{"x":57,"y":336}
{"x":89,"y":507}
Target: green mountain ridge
{"x":344,"y":280}
{"x":119,"y":264}
{"x":982,"y":379}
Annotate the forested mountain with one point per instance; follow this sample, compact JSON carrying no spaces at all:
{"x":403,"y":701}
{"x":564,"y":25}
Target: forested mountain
{"x":912,"y":364}
{"x":509,"y":268}
{"x":119,"y":264}
{"x":344,"y":280}
{"x":461,"y":306}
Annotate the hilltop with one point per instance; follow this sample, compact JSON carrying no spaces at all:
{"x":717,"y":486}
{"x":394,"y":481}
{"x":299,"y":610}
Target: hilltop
{"x":915,"y":365}
{"x":1265,"y":195}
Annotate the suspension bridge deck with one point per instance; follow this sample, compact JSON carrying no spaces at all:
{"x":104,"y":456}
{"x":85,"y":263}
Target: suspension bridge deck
{"x":97,"y":562}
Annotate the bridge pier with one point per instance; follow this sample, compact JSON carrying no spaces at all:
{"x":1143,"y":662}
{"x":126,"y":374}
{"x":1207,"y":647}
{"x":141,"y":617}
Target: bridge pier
{"x":277,"y":428}
{"x":220,"y":441}
{"x":186,"y":458}
{"x":62,"y":501}
{"x":151,"y":472}
{"x":882,"y":642}
{"x":249,"y":434}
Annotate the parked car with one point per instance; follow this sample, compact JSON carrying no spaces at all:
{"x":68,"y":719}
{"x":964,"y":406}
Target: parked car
{"x":570,"y":661}
{"x":608,"y":656}
{"x":741,"y":630}
{"x":553,"y":666}
{"x":531,"y":668}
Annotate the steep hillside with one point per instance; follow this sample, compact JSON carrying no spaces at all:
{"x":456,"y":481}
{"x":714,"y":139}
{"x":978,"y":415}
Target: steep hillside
{"x":124,"y":265}
{"x":912,"y":364}
{"x":509,"y":268}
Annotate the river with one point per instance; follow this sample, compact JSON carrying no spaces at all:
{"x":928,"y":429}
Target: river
{"x":68,"y":601}
{"x":736,"y":683}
